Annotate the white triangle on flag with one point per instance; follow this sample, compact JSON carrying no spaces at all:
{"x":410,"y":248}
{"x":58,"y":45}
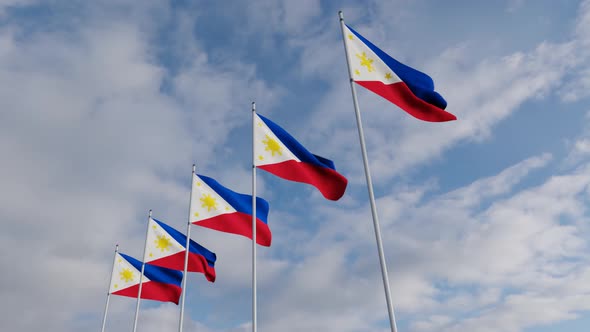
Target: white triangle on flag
{"x":125,"y":275}
{"x":160,"y":243}
{"x":364,"y":63}
{"x":268,"y":148}
{"x":206,"y":202}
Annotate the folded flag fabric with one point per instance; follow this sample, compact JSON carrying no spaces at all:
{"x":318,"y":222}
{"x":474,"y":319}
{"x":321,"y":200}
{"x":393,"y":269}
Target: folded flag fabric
{"x":217,"y":207}
{"x":159,"y":284}
{"x":166,"y":248}
{"x":408,"y":88}
{"x":277,"y":152}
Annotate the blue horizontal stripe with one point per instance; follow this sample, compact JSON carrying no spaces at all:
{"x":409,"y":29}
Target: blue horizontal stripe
{"x":163,"y":275}
{"x":419,"y":83}
{"x":295,"y":147}
{"x":156,"y":273}
{"x":194,"y":246}
{"x":240,"y":202}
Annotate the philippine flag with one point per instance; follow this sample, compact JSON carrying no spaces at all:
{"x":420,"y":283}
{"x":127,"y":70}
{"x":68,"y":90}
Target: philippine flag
{"x":165,"y":248}
{"x":159,"y":284}
{"x":408,"y":88}
{"x":277,"y":152}
{"x":216,"y":207}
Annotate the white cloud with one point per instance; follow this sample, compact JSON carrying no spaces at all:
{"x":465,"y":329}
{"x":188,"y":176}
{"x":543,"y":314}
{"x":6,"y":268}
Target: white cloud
{"x":450,"y":256}
{"x":91,"y":142}
{"x":579,"y":147}
{"x":514,"y":5}
{"x":582,"y":146}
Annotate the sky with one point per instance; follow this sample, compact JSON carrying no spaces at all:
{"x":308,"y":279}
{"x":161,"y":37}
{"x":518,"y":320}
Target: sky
{"x":105,"y":105}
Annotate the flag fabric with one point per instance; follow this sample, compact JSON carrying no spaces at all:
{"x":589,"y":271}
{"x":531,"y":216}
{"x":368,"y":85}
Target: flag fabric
{"x":277,"y":152}
{"x":217,"y":207}
{"x":166,"y":248}
{"x":159,"y":284}
{"x":408,"y":88}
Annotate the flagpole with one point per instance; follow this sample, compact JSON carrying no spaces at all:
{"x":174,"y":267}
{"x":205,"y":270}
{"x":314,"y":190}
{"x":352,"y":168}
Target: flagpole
{"x":106,"y":307}
{"x":186,"y":247}
{"x":254,"y":318}
{"x":142,"y":271}
{"x":369,"y":186}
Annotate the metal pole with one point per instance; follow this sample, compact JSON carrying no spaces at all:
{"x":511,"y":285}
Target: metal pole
{"x":186,"y":247}
{"x":106,"y":307}
{"x":142,"y":271}
{"x":369,"y":186}
{"x":254,"y":318}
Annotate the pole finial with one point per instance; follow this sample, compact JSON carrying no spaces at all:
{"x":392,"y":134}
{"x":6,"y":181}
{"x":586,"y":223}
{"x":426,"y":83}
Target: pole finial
{"x":253,"y":106}
{"x":150,"y":213}
{"x":340,"y":15}
{"x":194,"y":168}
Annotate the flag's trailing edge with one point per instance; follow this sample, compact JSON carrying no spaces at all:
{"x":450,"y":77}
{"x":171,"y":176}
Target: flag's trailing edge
{"x":277,"y":152}
{"x":217,"y":207}
{"x":408,"y":88}
{"x":166,"y":248}
{"x":159,"y":284}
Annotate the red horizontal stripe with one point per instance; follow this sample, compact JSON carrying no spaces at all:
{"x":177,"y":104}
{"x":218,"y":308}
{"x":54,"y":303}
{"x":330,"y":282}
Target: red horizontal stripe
{"x":240,"y":224}
{"x":402,"y":96}
{"x":329,"y":182}
{"x":153,"y":291}
{"x":196,"y":263}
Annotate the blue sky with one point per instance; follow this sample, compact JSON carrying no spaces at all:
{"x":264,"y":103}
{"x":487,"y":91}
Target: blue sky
{"x":105,"y":106}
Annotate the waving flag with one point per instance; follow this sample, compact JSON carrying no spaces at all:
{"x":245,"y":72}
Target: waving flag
{"x":165,"y":248}
{"x":216,"y":207}
{"x":159,"y":284}
{"x":277,"y":152}
{"x":408,"y":88}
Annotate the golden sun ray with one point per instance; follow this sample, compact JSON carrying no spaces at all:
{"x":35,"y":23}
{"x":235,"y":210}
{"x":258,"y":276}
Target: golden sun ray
{"x":272,"y":145}
{"x":209,"y":202}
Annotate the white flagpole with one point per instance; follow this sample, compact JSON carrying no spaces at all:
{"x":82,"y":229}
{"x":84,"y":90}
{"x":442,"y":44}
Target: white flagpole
{"x":147,"y":229}
{"x":254,"y":318}
{"x":369,"y":185}
{"x":186,"y":247}
{"x":106,"y":307}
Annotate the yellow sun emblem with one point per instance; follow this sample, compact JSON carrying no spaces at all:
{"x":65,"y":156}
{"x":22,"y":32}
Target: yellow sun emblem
{"x":272,"y":145}
{"x":126,"y":275}
{"x":366,"y":62}
{"x":208,"y":202}
{"x":163,"y":243}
